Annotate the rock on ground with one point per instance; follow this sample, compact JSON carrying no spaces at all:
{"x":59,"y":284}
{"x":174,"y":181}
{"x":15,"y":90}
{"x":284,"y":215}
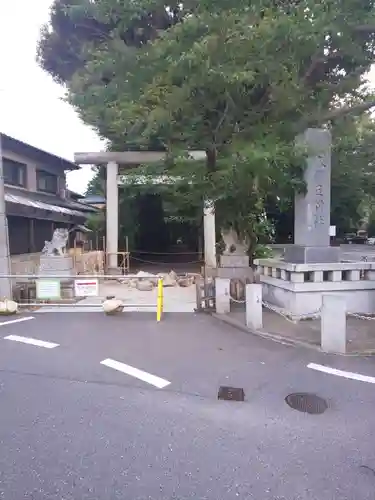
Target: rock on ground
{"x":185,"y":282}
{"x":8,"y":307}
{"x":145,"y":282}
{"x":112,"y":306}
{"x":144,"y":285}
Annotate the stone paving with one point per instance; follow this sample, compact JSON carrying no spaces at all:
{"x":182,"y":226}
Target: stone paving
{"x":360,"y":332}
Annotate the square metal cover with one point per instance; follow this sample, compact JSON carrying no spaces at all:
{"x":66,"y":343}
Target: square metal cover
{"x":231,"y":393}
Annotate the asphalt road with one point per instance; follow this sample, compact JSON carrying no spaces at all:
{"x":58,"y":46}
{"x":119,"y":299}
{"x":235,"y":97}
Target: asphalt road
{"x":73,"y":428}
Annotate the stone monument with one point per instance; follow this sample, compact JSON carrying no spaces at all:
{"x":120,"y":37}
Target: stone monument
{"x":311,"y":268}
{"x":54,"y":259}
{"x":312,"y":208}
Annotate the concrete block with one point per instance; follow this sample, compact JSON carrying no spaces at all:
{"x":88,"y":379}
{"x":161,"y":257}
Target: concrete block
{"x":335,"y":276}
{"x":353,"y":275}
{"x":275,"y":273}
{"x":370,"y":275}
{"x":317,"y":276}
{"x":254,"y":312}
{"x":297,"y":277}
{"x":333,"y":324}
{"x":239,"y":273}
{"x":267,"y":271}
{"x":300,"y":254}
{"x":222,"y":295}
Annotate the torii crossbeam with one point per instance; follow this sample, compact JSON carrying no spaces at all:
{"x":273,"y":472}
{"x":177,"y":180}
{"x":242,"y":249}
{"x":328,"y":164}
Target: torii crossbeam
{"x":132,"y":159}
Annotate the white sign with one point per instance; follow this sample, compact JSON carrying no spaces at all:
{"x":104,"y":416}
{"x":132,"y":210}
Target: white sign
{"x":47,"y":289}
{"x":86,"y":288}
{"x":332,"y":230}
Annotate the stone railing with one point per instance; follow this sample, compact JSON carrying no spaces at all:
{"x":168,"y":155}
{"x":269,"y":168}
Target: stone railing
{"x":316,"y":273}
{"x":298,"y":288}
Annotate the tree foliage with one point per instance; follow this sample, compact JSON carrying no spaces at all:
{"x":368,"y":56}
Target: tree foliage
{"x":238,"y":80}
{"x":353,"y":173}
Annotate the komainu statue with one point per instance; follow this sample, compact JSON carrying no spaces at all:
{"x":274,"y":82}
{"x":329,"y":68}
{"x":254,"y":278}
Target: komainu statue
{"x":57,"y":246}
{"x":233,"y":244}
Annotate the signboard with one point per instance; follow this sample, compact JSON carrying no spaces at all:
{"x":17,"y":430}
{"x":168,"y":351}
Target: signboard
{"x":332,"y":230}
{"x":47,"y":289}
{"x":86,"y":288}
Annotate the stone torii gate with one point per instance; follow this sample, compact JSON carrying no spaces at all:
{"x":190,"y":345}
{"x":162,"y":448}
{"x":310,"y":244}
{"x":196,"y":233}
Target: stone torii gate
{"x":134,"y":158}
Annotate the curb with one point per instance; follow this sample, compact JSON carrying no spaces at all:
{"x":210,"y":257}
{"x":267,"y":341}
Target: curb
{"x":279,"y":338}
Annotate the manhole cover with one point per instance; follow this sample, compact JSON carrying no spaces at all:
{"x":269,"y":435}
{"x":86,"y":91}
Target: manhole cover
{"x":367,"y":469}
{"x":231,"y":393}
{"x":307,"y":403}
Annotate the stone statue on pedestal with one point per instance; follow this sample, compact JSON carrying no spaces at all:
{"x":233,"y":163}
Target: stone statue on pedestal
{"x":233,"y":244}
{"x":58,"y":243}
{"x":54,"y":259}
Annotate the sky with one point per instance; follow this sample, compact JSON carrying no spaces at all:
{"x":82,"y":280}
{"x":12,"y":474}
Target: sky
{"x":31,"y":106}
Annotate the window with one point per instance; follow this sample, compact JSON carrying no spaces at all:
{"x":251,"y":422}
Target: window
{"x":14,"y":172}
{"x":46,"y":182}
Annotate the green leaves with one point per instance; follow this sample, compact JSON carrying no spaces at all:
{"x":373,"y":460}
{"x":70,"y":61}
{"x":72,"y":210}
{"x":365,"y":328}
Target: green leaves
{"x":237,"y":79}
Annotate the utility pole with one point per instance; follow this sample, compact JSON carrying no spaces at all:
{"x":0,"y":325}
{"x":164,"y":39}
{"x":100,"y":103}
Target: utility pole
{"x":5,"y":283}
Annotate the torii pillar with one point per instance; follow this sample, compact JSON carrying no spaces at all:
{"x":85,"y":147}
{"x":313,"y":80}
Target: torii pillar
{"x":131,"y":159}
{"x":112,"y":210}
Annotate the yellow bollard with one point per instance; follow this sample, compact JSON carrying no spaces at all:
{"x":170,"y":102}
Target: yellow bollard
{"x":159,"y":306}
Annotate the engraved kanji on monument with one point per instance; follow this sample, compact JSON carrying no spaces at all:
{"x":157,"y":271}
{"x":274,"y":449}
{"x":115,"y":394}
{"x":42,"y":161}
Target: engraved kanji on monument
{"x":312,"y":209}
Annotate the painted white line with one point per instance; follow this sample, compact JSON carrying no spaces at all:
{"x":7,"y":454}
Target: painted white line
{"x":158,"y":382}
{"x":19,"y":320}
{"x":341,"y":373}
{"x":28,"y":340}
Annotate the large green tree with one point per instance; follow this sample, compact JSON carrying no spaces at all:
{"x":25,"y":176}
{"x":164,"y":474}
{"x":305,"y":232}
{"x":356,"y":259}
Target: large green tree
{"x":353,"y":173}
{"x":239,"y":81}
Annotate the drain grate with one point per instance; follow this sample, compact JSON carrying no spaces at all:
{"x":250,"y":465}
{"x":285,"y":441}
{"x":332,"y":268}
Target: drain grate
{"x":231,"y":393}
{"x":307,"y":403}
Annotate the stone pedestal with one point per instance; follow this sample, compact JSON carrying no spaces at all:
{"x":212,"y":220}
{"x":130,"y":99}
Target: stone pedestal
{"x":300,"y":254}
{"x":299,"y":288}
{"x":234,"y":266}
{"x":56,"y":265}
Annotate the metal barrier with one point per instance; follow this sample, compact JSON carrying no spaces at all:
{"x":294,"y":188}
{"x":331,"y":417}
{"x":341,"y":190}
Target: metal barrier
{"x":49,"y":291}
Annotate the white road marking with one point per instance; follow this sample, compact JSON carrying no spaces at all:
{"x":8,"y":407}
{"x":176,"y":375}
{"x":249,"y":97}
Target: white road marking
{"x":158,"y":382}
{"x":19,"y":320}
{"x":341,"y":373}
{"x":28,"y":340}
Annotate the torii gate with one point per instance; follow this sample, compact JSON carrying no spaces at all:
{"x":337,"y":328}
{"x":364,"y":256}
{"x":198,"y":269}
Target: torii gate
{"x":131,"y":158}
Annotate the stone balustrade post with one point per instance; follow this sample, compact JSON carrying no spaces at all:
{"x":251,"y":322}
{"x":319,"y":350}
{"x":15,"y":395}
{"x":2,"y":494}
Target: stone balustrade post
{"x":333,"y":324}
{"x":254,"y":311}
{"x":222,"y":295}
